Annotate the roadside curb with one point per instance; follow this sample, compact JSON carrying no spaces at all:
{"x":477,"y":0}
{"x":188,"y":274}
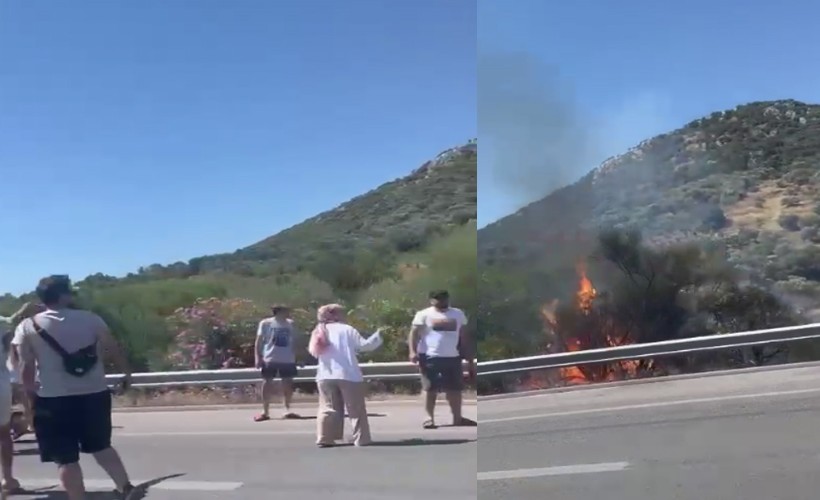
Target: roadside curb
{"x":653,"y":380}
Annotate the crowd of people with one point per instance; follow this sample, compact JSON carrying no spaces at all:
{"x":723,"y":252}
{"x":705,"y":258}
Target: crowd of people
{"x":55,"y":354}
{"x":438,"y":342}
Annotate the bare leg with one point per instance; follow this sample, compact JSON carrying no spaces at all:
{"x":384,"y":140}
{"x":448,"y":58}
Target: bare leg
{"x":287,"y":393}
{"x":267,"y":394}
{"x":109,"y":460}
{"x":28,"y":414}
{"x":454,"y":398}
{"x":430,"y":404}
{"x":7,"y":459}
{"x":71,"y":478}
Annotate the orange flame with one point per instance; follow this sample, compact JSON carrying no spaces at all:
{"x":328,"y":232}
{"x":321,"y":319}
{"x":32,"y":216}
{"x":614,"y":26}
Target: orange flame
{"x":613,"y":335}
{"x":586,"y":291}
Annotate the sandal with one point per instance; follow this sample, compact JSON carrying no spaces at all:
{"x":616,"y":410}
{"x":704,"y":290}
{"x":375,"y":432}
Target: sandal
{"x":12,"y":487}
{"x":261,"y":418}
{"x":429,"y":424}
{"x":290,"y":416}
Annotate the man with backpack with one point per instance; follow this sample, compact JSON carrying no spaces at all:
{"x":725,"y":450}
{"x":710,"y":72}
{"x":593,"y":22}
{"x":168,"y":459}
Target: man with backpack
{"x":72,"y":405}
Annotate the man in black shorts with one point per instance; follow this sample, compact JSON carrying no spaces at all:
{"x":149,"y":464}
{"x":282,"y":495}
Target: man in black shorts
{"x":438,"y":342}
{"x":277,"y":343}
{"x":72,"y":407}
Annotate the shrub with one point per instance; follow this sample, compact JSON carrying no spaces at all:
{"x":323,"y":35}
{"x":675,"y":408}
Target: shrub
{"x":715,"y":219}
{"x":789,"y":222}
{"x":790,"y":201}
{"x":214,"y":333}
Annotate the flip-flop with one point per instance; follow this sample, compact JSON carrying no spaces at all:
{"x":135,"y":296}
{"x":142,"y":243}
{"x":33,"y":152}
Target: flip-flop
{"x":290,"y":416}
{"x":261,"y":418}
{"x":429,"y":424}
{"x":14,"y":489}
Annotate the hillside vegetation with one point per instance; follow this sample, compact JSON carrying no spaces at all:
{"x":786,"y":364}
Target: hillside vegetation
{"x":378,"y":253}
{"x":743,"y":184}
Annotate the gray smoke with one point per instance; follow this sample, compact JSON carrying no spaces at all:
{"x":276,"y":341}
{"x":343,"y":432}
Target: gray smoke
{"x":534,"y":139}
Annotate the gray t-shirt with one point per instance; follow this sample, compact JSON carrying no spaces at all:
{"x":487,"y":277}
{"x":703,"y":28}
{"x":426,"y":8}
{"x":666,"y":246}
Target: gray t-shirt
{"x":73,"y":329}
{"x":277,"y":339}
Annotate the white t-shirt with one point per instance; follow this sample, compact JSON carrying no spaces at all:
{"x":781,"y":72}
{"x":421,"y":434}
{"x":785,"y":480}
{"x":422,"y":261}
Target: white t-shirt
{"x":439,"y":331}
{"x":73,"y":329}
{"x":339,"y":360}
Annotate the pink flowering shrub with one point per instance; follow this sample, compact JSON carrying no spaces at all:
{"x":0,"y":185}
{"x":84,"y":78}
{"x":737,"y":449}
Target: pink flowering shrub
{"x":220,"y":333}
{"x":214,"y":333}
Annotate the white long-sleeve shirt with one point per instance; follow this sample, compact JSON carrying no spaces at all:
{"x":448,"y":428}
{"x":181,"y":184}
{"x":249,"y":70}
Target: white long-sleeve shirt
{"x":339,"y":360}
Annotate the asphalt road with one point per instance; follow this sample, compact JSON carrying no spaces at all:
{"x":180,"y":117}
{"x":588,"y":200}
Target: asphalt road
{"x":224,"y":455}
{"x":752,"y":436}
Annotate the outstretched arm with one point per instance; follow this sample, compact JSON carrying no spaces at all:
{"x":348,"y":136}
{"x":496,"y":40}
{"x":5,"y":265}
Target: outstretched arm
{"x":368,"y":344}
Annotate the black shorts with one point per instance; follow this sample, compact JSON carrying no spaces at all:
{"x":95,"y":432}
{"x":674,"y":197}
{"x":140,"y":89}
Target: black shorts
{"x":279,"y":370}
{"x":68,"y":425}
{"x":441,"y":374}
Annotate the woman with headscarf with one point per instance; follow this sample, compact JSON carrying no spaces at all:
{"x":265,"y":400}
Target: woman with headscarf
{"x":336,"y":344}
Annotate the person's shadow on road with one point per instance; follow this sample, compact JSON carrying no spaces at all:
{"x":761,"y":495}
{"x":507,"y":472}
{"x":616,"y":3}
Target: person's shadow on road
{"x":422,"y":442}
{"x":409,"y":442}
{"x":22,"y":452}
{"x":51,"y":494}
{"x":313,"y":417}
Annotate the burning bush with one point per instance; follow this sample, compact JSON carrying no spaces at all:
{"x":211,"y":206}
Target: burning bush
{"x":657,"y":294}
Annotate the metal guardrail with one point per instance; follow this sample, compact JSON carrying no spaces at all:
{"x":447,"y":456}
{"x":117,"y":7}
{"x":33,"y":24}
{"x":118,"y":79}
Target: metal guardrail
{"x":239,"y":376}
{"x":409,"y":371}
{"x":649,"y":350}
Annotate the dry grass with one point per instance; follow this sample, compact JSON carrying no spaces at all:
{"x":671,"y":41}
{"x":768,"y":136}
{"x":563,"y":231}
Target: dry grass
{"x":763,"y":209}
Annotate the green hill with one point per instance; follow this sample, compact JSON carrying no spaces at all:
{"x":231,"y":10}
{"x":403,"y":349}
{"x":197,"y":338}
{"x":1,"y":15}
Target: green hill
{"x":745,"y":181}
{"x":379,"y":252}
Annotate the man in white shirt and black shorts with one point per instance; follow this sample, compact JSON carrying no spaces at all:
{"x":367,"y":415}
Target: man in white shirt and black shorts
{"x":438,"y":342}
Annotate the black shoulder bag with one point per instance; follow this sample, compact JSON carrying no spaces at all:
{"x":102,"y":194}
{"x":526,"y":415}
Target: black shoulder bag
{"x":76,"y":363}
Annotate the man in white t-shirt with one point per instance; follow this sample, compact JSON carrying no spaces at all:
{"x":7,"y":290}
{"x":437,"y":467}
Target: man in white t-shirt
{"x":438,"y":342}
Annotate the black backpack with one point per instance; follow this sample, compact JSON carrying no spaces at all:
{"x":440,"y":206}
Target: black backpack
{"x":76,"y":363}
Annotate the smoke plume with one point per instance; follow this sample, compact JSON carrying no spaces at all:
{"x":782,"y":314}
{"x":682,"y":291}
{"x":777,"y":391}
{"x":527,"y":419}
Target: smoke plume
{"x":534,"y":139}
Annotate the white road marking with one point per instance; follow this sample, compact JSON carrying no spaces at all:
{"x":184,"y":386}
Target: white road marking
{"x":562,"y":470}
{"x":658,"y":404}
{"x":170,"y":485}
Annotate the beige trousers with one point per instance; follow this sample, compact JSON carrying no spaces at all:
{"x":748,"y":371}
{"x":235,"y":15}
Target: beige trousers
{"x":334,"y":397}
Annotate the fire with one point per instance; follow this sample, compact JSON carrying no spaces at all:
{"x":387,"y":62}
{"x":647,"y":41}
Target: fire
{"x":582,"y":326}
{"x":586,"y":291}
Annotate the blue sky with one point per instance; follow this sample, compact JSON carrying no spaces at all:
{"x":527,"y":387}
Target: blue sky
{"x":621,"y":72}
{"x":134,"y":133}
